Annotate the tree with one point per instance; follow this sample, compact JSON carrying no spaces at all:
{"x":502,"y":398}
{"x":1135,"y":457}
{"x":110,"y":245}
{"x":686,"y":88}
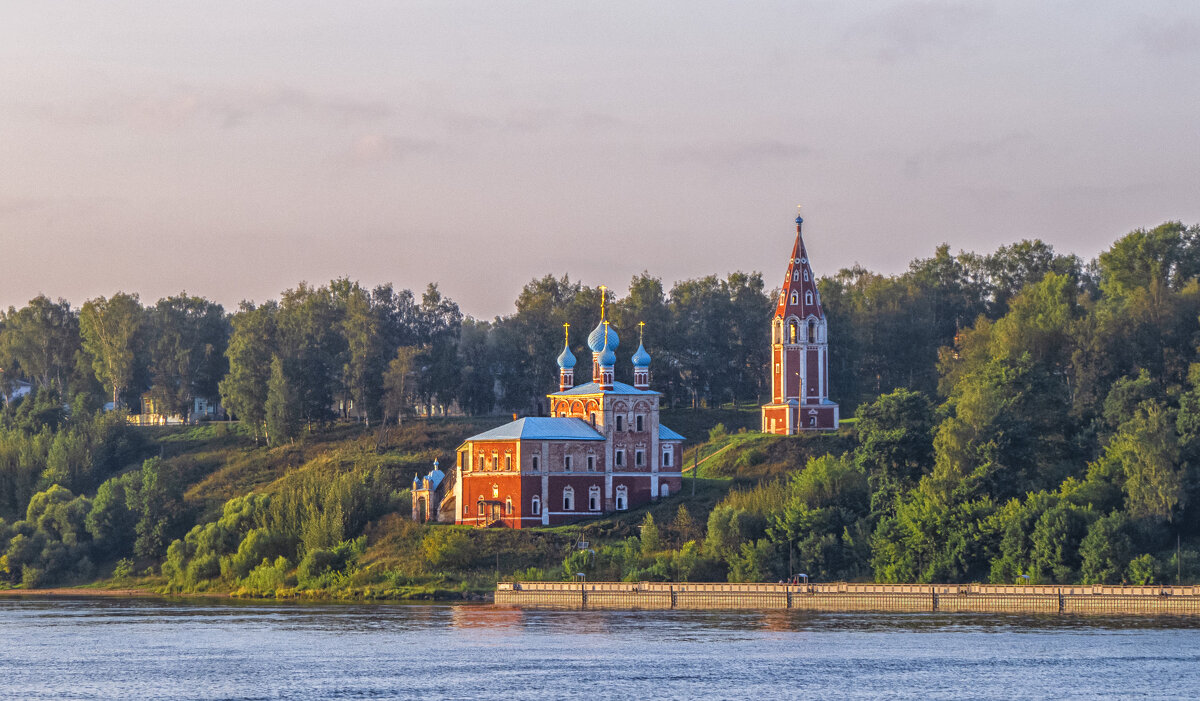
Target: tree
{"x":651,"y":538}
{"x":282,"y":407}
{"x":110,"y":328}
{"x":159,"y":497}
{"x":40,"y":340}
{"x":251,"y":348}
{"x":1147,"y":450}
{"x":188,"y":337}
{"x":395,"y":383}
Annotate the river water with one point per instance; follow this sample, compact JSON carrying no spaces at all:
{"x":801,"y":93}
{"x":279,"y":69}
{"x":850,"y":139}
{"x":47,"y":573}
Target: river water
{"x":152,"y":649}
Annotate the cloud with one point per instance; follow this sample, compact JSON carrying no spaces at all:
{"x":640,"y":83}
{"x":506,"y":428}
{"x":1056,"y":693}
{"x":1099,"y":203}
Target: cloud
{"x":908,"y":29}
{"x":381,"y":148}
{"x":736,"y":154}
{"x":975,"y":150}
{"x":224,"y":107}
{"x":1167,"y":38}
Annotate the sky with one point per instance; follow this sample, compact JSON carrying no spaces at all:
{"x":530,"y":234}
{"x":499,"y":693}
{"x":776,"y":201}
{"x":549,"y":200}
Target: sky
{"x":232,"y":149}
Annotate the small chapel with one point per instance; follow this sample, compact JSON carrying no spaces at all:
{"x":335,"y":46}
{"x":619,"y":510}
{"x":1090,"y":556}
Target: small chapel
{"x":799,"y":353}
{"x":601,"y":450}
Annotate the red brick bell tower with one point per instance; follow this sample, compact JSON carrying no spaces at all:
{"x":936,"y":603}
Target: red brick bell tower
{"x":799,"y":353}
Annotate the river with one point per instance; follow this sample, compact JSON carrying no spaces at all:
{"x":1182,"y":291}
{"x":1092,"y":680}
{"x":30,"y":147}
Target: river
{"x":153,"y":649}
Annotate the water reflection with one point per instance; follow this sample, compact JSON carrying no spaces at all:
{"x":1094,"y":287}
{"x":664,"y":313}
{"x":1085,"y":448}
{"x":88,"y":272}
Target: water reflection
{"x":150,"y":649}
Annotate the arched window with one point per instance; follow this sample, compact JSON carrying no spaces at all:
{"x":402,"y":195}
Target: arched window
{"x":808,"y":298}
{"x":619,"y":458}
{"x":533,"y":463}
{"x":508,"y":506}
{"x":507,"y":462}
{"x":480,"y":505}
{"x":594,"y":499}
{"x":568,"y":499}
{"x":535,"y":506}
{"x":793,"y":331}
{"x":806,"y":276}
{"x":591,"y":462}
{"x":664,"y":490}
{"x":666,"y":457}
{"x":622,"y":498}
{"x":638,"y":420}
{"x":795,"y":297}
{"x":620,"y":423}
{"x":796,"y":275}
{"x":593,"y":419}
{"x":812,"y":331}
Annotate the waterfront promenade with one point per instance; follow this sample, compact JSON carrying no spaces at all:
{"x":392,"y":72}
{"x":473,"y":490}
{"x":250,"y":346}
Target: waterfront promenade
{"x":842,"y":596}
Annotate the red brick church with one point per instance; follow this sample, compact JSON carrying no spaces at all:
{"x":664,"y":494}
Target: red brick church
{"x":799,"y":353}
{"x":602,"y":449}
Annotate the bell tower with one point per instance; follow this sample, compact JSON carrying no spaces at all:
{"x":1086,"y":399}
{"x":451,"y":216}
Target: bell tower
{"x":799,"y":353}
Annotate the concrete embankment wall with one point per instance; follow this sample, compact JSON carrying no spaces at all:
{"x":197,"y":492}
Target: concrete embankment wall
{"x":948,"y":598}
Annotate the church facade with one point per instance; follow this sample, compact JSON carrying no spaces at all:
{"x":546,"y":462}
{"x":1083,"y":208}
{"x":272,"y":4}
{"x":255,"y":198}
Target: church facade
{"x":799,"y":353}
{"x":601,"y":450}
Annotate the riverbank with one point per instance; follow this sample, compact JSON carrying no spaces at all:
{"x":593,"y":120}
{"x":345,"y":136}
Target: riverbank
{"x":81,"y":591}
{"x":890,"y":598}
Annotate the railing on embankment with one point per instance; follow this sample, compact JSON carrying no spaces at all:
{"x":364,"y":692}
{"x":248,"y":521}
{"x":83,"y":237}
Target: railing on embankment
{"x":950,"y":598}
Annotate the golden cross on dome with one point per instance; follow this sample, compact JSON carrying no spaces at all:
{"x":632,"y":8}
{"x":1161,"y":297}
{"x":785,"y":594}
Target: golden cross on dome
{"x":566,"y":334}
{"x":641,"y":329}
{"x":603,"y":297}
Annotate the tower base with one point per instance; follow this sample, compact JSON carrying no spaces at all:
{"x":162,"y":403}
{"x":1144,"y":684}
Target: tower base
{"x":788,"y":419}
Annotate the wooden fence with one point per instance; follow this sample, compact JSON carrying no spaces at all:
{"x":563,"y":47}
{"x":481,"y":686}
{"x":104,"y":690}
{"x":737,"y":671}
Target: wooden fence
{"x":841,"y":596}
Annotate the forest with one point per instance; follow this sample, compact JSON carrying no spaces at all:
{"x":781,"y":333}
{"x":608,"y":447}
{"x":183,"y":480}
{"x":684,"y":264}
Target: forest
{"x":1020,"y":415}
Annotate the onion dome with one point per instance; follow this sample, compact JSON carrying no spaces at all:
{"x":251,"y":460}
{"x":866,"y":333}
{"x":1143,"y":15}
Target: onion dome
{"x":416,"y":481}
{"x":607,"y":357}
{"x":597,"y":340}
{"x":566,"y":359}
{"x":641,"y":359}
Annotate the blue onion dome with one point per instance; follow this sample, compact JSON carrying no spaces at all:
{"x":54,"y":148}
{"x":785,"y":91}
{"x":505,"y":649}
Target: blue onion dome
{"x":566,"y":359}
{"x":641,"y":359}
{"x":596,"y":338}
{"x":607,"y":357}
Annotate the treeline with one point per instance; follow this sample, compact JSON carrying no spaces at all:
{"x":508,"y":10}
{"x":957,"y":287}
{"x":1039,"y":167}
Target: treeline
{"x":1056,"y":439}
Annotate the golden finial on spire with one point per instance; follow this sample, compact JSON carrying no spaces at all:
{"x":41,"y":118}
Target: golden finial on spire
{"x":566,"y":334}
{"x":641,"y":331}
{"x":603,"y":299}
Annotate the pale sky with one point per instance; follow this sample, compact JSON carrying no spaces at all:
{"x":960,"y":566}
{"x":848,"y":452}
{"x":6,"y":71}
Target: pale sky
{"x":233,"y":149}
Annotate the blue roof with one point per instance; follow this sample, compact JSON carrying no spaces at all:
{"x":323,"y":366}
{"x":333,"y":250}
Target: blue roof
{"x":566,"y":359}
{"x":541,"y":428}
{"x":666,"y":434}
{"x":593,"y":388}
{"x":641,"y":359}
{"x":596,"y":338}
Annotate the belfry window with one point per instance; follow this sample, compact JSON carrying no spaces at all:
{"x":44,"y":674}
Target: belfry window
{"x":808,"y":298}
{"x":795,"y":297}
{"x":796,"y":275}
{"x":793,"y":332}
{"x":812,"y":331}
{"x":806,"y":276}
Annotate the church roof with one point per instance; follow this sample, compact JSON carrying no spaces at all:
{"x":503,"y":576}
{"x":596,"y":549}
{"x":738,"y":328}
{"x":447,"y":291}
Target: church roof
{"x":799,"y":269}
{"x":593,"y":388}
{"x":666,"y":434}
{"x":541,"y":428}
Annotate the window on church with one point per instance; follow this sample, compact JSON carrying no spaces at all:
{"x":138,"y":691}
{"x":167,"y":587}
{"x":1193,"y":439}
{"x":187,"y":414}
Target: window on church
{"x":594,"y":501}
{"x":507,"y":462}
{"x":619,"y":459}
{"x":619,"y":422}
{"x":535,"y":507}
{"x":591,"y":463}
{"x":593,"y":419}
{"x":508,"y":506}
{"x":796,"y":275}
{"x":812,"y":332}
{"x":622,"y":498}
{"x":795,"y":297}
{"x":568,"y":499}
{"x":567,"y":463}
{"x":667,"y":458}
{"x":638,"y":421}
{"x":533,"y":463}
{"x":639,"y":458}
{"x":806,"y":276}
{"x":793,"y":332}
{"x":808,"y":298}
{"x":480,"y":506}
